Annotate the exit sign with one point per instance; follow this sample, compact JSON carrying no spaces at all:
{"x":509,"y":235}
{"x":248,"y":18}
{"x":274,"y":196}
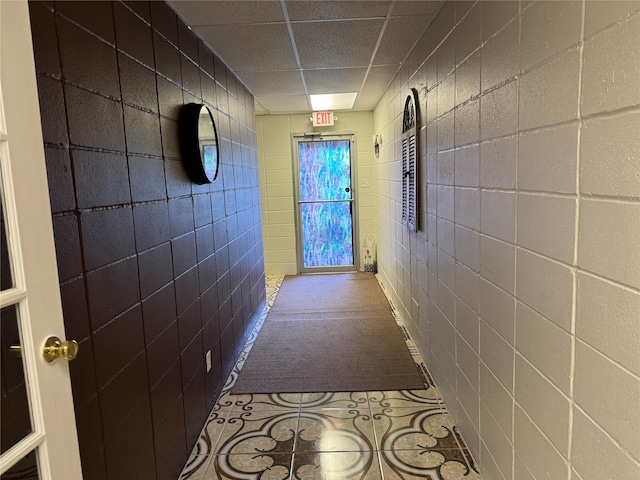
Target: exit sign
{"x":322,"y":119}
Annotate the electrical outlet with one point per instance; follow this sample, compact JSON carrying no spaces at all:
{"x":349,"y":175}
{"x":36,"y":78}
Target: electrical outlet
{"x":207,"y":358}
{"x":364,"y":183}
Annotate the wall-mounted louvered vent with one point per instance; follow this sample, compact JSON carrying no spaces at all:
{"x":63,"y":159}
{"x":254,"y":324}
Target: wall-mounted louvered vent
{"x":410,"y":161}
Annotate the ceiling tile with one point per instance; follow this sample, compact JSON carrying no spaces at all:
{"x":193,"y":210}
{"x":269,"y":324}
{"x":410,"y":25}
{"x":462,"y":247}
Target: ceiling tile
{"x":238,"y":47}
{"x":347,"y":43}
{"x":417,"y":7}
{"x":379,"y":78}
{"x":284,"y":103}
{"x":324,"y":10}
{"x":367,"y":101}
{"x":340,"y":80}
{"x":221,"y":12}
{"x":399,"y":37}
{"x":287,"y":82}
{"x":335,"y":42}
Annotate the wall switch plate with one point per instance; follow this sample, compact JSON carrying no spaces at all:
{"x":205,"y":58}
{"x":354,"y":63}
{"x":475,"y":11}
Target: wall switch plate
{"x":207,"y":358}
{"x":364,"y":183}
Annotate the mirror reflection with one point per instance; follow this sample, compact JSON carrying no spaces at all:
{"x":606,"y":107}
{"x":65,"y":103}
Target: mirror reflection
{"x":208,"y":143}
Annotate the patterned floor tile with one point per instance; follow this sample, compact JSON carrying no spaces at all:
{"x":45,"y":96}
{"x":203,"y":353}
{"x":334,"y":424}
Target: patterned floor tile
{"x":420,"y":443}
{"x":335,"y":431}
{"x":433,"y":465}
{"x":196,"y":467}
{"x":334,"y":400}
{"x":257,"y":432}
{"x":266,"y":466}
{"x":212,"y":432}
{"x":264,"y":402}
{"x":413,"y":429}
{"x":427,"y":398}
{"x":336,"y":465}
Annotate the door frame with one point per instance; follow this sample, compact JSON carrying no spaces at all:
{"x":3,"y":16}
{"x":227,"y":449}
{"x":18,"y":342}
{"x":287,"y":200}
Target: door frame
{"x":36,"y":290}
{"x":316,"y":137}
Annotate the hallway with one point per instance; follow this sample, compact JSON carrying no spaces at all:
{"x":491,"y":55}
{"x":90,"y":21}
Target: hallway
{"x":520,"y":288}
{"x":406,"y":434}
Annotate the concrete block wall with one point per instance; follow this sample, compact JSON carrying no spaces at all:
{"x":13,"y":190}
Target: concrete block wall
{"x":522,"y":286}
{"x":155,"y":270}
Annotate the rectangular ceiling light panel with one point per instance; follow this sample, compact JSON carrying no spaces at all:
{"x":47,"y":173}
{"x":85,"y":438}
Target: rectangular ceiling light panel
{"x":336,"y":101}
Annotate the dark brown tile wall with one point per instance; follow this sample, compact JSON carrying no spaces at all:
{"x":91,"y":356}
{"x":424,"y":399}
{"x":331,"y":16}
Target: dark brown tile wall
{"x":155,"y":270}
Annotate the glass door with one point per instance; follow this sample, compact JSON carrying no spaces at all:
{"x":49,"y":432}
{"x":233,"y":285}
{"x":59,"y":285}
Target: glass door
{"x":38,"y":437}
{"x":325,"y":214}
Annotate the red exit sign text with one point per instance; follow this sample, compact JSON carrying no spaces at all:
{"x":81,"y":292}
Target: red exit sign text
{"x":322,"y":119}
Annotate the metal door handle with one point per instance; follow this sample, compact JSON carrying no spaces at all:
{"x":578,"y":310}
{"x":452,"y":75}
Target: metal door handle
{"x":54,"y":348}
{"x":16,"y":351}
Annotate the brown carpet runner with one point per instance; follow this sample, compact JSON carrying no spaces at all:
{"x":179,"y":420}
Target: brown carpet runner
{"x":329,"y":333}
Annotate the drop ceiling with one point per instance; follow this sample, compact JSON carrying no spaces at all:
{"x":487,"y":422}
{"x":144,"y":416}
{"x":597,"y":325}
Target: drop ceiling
{"x":283,"y":51}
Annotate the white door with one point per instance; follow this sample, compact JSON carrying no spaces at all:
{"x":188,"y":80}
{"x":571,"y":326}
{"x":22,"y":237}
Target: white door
{"x":39,"y":437}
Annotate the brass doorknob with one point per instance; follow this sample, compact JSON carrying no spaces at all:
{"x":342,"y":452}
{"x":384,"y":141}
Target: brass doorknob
{"x":54,"y":348}
{"x":16,"y":351}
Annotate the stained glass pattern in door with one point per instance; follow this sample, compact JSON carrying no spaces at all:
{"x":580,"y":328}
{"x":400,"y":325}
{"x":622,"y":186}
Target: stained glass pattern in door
{"x":326,"y":203}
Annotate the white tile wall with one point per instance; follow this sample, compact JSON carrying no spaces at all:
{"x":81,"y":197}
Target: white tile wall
{"x":546,"y":101}
{"x":498,"y":263}
{"x":496,"y":442}
{"x":521,"y":471}
{"x":552,"y":297}
{"x":536,"y":450}
{"x":536,"y":277}
{"x":548,"y":159}
{"x":610,"y":155}
{"x":548,"y":29}
{"x":500,"y":57}
{"x":499,"y":111}
{"x":498,"y":214}
{"x":445,"y":166}
{"x":467,"y":167}
{"x":616,"y":418}
{"x":588,"y":437}
{"x":469,"y":402}
{"x":544,"y":403}
{"x":497,"y":400}
{"x":609,"y":239}
{"x":444,"y":203}
{"x":468,"y":286}
{"x":602,"y":90}
{"x":497,"y":308}
{"x":544,"y":345}
{"x":489,"y":467}
{"x":468,"y":79}
{"x":467,"y":247}
{"x":530,"y":267}
{"x":468,"y":360}
{"x":619,"y":337}
{"x":546,"y":225}
{"x":599,"y":15}
{"x":467,"y":124}
{"x":498,"y":163}
{"x":497,"y":355}
{"x":467,"y":208}
{"x":468,"y":324}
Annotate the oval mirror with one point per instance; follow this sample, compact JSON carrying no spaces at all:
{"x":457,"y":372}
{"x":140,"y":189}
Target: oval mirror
{"x":200,"y":143}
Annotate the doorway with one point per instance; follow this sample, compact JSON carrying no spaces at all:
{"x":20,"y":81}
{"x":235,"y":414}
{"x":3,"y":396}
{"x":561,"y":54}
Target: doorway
{"x":37,"y":428}
{"x":326,"y":231}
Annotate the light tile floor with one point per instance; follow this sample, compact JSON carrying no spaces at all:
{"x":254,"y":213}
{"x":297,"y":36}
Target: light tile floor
{"x":385,"y":435}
